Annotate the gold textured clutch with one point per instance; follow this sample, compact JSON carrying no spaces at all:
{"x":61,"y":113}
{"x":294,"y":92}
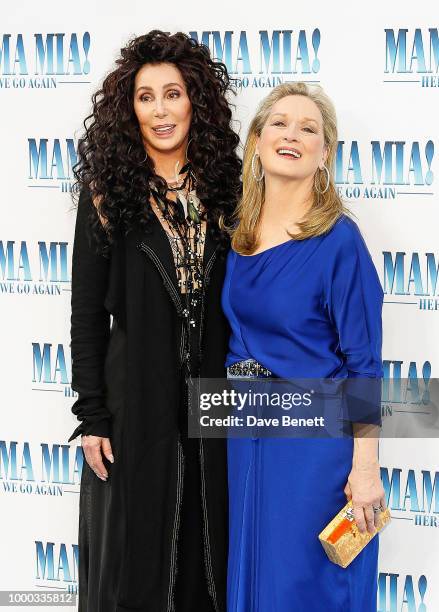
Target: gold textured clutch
{"x":341,"y":538}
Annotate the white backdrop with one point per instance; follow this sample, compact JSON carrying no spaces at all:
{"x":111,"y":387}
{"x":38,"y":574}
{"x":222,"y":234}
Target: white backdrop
{"x":379,"y":63}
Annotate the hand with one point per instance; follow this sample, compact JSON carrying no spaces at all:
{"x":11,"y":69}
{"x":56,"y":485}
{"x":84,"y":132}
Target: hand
{"x":94,"y":447}
{"x":366,"y":490}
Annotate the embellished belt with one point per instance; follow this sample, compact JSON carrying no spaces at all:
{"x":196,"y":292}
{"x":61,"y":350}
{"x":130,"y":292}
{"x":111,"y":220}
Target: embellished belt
{"x":247,"y":368}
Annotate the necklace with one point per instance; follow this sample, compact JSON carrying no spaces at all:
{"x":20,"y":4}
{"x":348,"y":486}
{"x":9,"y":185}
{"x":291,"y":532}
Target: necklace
{"x":183,"y":218}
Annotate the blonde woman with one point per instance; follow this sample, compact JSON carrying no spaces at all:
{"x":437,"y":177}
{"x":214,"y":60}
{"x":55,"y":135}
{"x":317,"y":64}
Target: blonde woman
{"x":304,"y":301}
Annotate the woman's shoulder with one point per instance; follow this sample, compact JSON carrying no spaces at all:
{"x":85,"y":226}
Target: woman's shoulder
{"x":345,"y":235}
{"x":345,"y":228}
{"x":347,"y":251}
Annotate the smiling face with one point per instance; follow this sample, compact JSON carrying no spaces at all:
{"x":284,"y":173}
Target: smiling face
{"x":291,"y":144}
{"x":162,"y":108}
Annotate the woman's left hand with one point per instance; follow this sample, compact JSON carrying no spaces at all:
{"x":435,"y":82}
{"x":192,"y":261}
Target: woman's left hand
{"x":366,"y":490}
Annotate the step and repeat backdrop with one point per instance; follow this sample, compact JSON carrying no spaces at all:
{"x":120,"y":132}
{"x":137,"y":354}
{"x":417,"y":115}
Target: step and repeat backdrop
{"x":379,"y":63}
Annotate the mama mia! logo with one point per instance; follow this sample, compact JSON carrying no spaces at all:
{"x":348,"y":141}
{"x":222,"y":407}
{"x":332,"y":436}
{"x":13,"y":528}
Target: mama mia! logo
{"x":412,"y":56}
{"x":44,"y":469}
{"x":50,"y":163}
{"x":44,"y":61}
{"x":49,"y":369}
{"x":401,"y":592}
{"x":411,"y":278}
{"x":34,"y":268}
{"x":406,"y":389}
{"x":412,"y":495}
{"x":265,"y":58}
{"x":384,"y":170}
{"x":56,"y":565}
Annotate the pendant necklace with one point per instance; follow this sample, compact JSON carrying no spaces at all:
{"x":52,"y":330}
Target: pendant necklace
{"x":183,"y":218}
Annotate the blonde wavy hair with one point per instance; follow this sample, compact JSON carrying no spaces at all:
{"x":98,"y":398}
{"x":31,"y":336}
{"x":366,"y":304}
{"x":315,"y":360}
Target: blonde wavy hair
{"x":326,"y":207}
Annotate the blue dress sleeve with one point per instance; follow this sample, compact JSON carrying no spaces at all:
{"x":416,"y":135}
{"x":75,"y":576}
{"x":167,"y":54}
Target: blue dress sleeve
{"x":354,"y":300}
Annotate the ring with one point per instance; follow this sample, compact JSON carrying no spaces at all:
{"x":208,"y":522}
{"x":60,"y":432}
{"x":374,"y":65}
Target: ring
{"x":378,"y":509}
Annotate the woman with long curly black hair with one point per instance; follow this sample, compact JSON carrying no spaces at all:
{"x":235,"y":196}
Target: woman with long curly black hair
{"x":157,"y":169}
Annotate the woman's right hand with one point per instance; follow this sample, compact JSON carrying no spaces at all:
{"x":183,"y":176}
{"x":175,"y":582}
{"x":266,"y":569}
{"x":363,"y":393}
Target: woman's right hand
{"x":94,"y":447}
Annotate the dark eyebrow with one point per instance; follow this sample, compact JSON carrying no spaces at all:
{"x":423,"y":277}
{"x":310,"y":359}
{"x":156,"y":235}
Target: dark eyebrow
{"x":164,"y":86}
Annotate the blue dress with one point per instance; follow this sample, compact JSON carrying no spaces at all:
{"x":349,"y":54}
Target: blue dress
{"x":303,"y":309}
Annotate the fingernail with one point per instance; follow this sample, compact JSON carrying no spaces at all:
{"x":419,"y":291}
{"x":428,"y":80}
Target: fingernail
{"x":111,"y":458}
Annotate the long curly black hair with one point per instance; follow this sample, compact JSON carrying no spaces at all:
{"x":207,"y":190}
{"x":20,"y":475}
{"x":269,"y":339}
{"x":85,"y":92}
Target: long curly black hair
{"x":111,"y":156}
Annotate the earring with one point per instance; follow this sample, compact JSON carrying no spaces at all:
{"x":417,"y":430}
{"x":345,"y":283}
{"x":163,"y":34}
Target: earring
{"x":328,"y":181}
{"x":146,"y":157}
{"x":254,"y":171}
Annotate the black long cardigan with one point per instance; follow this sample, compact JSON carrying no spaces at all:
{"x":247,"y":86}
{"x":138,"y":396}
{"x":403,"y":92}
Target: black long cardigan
{"x":128,"y":379}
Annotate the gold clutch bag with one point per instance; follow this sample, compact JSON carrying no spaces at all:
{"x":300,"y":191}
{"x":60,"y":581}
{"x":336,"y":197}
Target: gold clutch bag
{"x":341,"y":538}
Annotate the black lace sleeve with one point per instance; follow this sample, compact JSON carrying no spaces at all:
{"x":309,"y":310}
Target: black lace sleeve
{"x":90,"y":327}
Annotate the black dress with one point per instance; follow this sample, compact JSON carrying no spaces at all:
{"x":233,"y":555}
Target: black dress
{"x":131,"y":389}
{"x":191,"y":582}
